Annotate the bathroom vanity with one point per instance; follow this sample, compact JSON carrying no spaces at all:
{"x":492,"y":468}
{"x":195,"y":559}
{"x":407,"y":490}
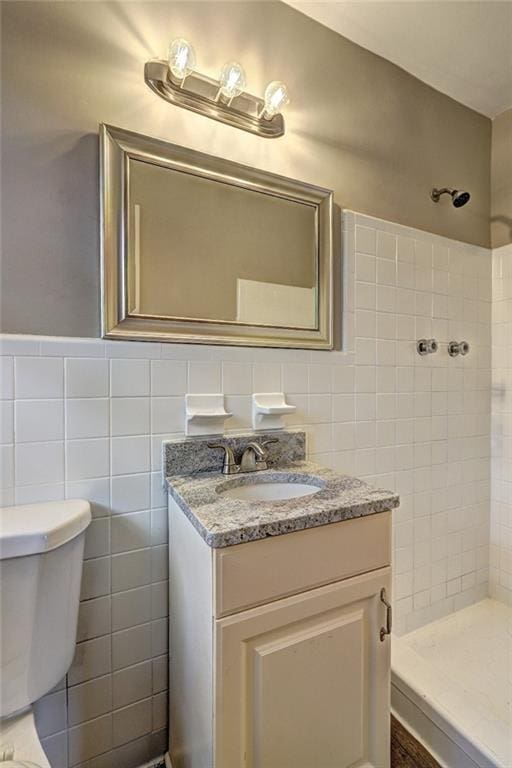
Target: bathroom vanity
{"x":279,"y":652}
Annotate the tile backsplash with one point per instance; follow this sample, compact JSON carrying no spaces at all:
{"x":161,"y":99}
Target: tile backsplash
{"x":87,"y":417}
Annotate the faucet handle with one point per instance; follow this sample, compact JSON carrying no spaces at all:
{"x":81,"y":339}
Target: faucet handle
{"x":229,"y":467}
{"x":253,"y":458}
{"x":269,"y":442}
{"x":262,"y":452}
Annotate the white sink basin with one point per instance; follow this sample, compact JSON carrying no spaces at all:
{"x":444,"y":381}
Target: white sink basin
{"x":274,"y":491}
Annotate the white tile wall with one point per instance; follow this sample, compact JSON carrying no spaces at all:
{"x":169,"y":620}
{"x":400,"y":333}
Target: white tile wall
{"x":501,"y":507}
{"x":377,"y":409}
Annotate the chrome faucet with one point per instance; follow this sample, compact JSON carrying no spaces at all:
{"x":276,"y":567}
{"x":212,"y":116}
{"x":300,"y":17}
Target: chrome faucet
{"x":254,"y":457}
{"x":229,"y":467}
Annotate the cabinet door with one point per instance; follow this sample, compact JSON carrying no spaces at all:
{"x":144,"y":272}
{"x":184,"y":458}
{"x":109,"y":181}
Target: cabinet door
{"x":304,"y":682}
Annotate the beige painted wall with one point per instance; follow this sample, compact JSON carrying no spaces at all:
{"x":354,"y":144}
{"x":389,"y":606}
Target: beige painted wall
{"x":357,"y":124}
{"x":501,"y":175}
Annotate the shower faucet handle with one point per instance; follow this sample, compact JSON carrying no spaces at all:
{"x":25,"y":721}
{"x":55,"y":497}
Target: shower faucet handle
{"x":458,"y":348}
{"x":427,"y":346}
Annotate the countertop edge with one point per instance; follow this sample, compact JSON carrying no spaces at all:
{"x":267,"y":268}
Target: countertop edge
{"x":253,"y":531}
{"x":216,"y":541}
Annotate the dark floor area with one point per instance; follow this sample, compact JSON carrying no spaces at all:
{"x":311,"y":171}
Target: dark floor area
{"x":406,"y":752}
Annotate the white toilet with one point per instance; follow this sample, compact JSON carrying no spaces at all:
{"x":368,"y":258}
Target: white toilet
{"x":41,"y":553}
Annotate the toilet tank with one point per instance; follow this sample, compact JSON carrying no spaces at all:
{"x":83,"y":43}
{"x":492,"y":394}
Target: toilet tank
{"x":41,"y":554}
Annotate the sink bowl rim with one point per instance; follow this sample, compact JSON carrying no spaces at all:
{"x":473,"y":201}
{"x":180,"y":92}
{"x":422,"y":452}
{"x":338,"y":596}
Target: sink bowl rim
{"x":273,"y":477}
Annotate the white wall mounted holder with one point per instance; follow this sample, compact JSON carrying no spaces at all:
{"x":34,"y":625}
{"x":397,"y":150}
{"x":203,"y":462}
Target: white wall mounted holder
{"x":268,"y":409}
{"x":205,"y":415}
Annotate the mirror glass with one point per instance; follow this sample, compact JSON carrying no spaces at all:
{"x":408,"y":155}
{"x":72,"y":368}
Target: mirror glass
{"x":203,"y":249}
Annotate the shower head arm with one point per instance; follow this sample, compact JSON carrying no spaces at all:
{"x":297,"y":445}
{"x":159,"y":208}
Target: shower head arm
{"x":436,"y":193}
{"x":459,"y":197}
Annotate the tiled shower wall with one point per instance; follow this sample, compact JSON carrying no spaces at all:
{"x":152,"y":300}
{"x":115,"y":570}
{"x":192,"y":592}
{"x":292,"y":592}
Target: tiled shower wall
{"x":501,"y":508}
{"x":87,"y":418}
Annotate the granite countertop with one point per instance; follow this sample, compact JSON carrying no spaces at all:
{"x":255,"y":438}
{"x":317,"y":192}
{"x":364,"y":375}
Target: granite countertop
{"x":223,"y":522}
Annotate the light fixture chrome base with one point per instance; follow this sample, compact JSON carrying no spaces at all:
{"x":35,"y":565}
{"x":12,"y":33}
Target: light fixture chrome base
{"x":199,"y":94}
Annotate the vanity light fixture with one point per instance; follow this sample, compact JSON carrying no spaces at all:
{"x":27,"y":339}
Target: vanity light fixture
{"x":177,"y":81}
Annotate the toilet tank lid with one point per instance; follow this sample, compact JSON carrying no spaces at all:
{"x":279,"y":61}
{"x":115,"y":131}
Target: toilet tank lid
{"x":31,"y":529}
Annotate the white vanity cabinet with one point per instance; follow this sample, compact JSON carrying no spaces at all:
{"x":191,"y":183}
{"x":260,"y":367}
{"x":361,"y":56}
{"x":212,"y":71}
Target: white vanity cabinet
{"x":276,"y":659}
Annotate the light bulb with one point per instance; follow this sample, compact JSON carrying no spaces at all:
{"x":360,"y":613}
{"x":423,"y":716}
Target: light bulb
{"x":276,"y":97}
{"x":182,"y":58}
{"x":231,"y":80}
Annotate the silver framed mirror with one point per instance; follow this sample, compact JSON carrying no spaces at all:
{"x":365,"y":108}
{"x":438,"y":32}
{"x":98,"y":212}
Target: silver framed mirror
{"x":203,"y":250}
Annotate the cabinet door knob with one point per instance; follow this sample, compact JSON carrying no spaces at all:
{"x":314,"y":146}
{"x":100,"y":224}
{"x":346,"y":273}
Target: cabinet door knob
{"x":389,"y":616}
